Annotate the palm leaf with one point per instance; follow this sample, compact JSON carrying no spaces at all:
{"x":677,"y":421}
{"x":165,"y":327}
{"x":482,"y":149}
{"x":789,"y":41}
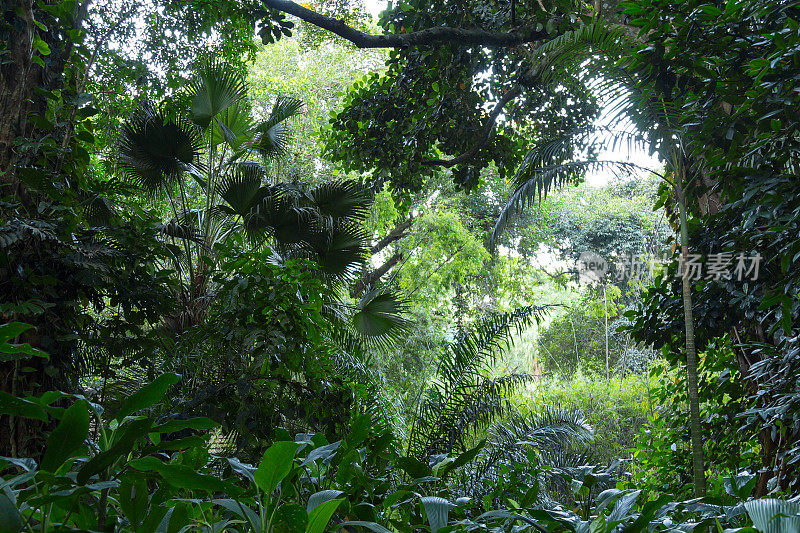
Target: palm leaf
{"x":215,"y":87}
{"x":233,"y":125}
{"x":379,"y":318}
{"x":344,"y":199}
{"x":463,"y":398}
{"x":273,"y":135}
{"x":536,"y":183}
{"x":155,"y":148}
{"x":275,"y":214}
{"x":241,"y":189}
{"x":339,"y":251}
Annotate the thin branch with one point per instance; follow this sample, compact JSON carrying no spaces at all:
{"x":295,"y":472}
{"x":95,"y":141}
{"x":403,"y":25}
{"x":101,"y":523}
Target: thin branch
{"x":485,"y":134}
{"x":436,"y":35}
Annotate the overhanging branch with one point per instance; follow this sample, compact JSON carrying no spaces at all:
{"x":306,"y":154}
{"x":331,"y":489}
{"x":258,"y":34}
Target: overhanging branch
{"x":437,"y":35}
{"x":485,"y":134}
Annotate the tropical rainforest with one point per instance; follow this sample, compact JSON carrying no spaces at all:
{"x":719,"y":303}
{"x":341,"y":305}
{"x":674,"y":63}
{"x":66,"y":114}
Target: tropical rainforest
{"x":407,"y":266}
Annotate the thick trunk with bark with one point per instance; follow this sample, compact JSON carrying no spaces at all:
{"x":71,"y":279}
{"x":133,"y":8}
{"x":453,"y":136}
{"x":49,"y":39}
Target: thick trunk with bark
{"x":18,"y":77}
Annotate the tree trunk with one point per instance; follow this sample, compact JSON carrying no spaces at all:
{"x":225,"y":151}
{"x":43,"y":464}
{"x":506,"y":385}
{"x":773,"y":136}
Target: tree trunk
{"x":692,"y":381}
{"x":16,"y":85}
{"x":605,"y":310}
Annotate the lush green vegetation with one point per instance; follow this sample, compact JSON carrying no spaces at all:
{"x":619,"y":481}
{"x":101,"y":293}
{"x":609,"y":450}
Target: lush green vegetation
{"x":460,"y":266}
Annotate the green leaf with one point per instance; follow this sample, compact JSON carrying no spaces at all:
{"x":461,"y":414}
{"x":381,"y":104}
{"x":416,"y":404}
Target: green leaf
{"x":41,"y":46}
{"x":275,"y":465}
{"x":413,"y":467}
{"x":437,"y":510}
{"x":11,"y":405}
{"x":10,"y":517}
{"x":318,"y":498}
{"x":134,"y":499}
{"x":771,"y":515}
{"x":199,"y":423}
{"x":12,"y":330}
{"x":358,"y":431}
{"x":147,"y":396}
{"x":464,"y":458}
{"x":123,"y":444}
{"x":215,"y":88}
{"x":243,"y":511}
{"x":290,"y":518}
{"x":372,"y":526}
{"x":13,"y":352}
{"x":181,"y":476}
{"x":68,"y":436}
{"x":318,"y":518}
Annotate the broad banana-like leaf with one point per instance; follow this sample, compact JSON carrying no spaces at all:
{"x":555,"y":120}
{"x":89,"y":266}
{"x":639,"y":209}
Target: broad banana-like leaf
{"x":771,"y":515}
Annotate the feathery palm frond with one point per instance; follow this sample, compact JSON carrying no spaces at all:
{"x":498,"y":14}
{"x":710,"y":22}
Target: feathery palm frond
{"x":463,"y":398}
{"x":155,"y":147}
{"x":215,"y":87}
{"x":553,"y":437}
{"x":533,"y":183}
{"x":600,"y":52}
{"x":273,"y":135}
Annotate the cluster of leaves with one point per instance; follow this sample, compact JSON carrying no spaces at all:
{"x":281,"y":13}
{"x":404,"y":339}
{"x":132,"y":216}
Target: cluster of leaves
{"x":125,"y":469}
{"x":741,"y":132}
{"x":428,"y":105}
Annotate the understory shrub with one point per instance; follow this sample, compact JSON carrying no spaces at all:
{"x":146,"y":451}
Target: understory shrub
{"x":616,"y":409}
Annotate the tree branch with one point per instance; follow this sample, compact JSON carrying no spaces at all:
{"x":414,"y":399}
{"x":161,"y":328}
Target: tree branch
{"x":369,"y":278}
{"x":395,"y":235}
{"x":437,"y":35}
{"x":485,"y":134}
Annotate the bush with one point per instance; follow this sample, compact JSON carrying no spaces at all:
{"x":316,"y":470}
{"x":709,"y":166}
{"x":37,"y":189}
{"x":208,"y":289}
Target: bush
{"x":617,"y":409}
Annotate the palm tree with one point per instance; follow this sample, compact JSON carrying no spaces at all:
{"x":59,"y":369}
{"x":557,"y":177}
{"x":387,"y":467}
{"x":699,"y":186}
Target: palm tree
{"x":464,"y":402}
{"x":641,"y":116}
{"x":463,"y":398}
{"x":210,"y":159}
{"x":553,"y":437}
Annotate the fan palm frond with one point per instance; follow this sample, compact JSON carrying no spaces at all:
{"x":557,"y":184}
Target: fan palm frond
{"x":242,"y":188}
{"x":273,"y":135}
{"x":379,"y":317}
{"x":339,"y":251}
{"x":342,"y":199}
{"x":156,"y":147}
{"x":177,"y":230}
{"x":215,"y":87}
{"x":234,"y":125}
{"x":275,"y":214}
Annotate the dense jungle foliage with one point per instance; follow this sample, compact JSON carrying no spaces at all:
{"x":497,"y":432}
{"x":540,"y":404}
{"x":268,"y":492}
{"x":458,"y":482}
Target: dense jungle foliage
{"x":475,"y":265}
